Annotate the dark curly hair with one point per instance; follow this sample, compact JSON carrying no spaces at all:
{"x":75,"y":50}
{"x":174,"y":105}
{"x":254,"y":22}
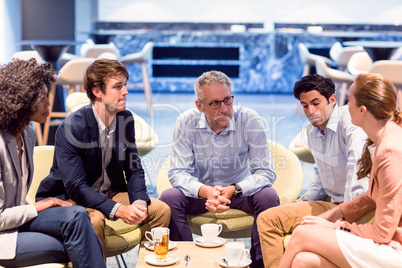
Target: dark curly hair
{"x":21,"y":91}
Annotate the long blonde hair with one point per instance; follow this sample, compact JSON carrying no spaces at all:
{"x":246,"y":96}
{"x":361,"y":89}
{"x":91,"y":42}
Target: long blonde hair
{"x":378,"y":95}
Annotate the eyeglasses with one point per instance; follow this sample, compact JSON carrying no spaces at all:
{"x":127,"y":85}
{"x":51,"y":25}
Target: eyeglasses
{"x":217,"y":104}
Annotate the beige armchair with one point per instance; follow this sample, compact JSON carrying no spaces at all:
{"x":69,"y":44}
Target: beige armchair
{"x":300,"y":147}
{"x":42,"y":160}
{"x":237,"y":223}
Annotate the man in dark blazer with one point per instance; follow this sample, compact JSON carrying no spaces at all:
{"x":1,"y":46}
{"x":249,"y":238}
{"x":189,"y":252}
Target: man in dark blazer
{"x":96,"y":162}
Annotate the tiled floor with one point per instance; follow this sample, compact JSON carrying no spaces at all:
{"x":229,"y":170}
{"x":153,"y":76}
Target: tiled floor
{"x":278,"y":111}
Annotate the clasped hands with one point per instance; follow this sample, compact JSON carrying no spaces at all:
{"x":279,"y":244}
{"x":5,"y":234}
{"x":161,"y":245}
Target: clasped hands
{"x":218,"y":198}
{"x":133,"y":214}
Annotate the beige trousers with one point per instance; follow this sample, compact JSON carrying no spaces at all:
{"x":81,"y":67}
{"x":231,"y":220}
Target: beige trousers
{"x":274,"y":223}
{"x":158,"y":216}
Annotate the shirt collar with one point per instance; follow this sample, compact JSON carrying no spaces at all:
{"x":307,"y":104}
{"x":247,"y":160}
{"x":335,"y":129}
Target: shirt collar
{"x":102,"y":127}
{"x":332,"y":123}
{"x":334,"y":119}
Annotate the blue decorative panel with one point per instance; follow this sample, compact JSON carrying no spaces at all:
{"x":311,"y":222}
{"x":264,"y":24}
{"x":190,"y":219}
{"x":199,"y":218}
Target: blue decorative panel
{"x":268,"y":62}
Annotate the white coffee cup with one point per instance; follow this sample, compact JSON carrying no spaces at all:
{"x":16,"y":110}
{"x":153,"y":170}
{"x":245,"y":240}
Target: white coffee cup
{"x":235,"y":252}
{"x":210,"y":232}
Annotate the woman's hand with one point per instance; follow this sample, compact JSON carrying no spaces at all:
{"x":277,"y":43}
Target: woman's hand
{"x":332,"y":215}
{"x":312,"y":220}
{"x":51,"y":202}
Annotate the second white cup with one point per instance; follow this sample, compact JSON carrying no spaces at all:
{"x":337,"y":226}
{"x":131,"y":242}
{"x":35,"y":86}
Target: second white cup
{"x":235,"y":252}
{"x":210,"y":232}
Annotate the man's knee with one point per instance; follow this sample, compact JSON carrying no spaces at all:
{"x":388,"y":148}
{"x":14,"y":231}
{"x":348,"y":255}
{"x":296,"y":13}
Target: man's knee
{"x":171,"y":196}
{"x":97,"y":219}
{"x":76,"y":215}
{"x":159,"y":209}
{"x":75,"y":211}
{"x":266,"y":198}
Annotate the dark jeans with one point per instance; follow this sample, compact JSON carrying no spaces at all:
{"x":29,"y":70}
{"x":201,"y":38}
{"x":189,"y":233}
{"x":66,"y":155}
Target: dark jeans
{"x":180,"y":205}
{"x":58,"y":234}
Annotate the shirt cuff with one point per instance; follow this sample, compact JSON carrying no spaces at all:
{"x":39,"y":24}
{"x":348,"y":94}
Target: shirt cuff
{"x":142,"y":202}
{"x":30,"y":211}
{"x":113,"y":212}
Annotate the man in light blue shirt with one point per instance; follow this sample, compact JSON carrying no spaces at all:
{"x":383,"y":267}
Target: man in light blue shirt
{"x":220,"y":159}
{"x":336,"y":151}
{"x":336,"y":145}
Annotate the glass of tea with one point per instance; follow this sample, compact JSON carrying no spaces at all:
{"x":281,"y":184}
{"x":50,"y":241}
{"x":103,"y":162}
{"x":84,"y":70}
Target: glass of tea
{"x":159,"y":236}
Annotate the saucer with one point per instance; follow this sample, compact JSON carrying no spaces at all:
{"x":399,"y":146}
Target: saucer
{"x":150,"y":246}
{"x":201,"y":242}
{"x":171,"y":259}
{"x":244,"y":262}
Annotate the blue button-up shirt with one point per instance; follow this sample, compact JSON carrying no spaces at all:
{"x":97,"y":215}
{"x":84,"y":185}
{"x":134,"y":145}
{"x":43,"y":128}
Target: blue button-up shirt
{"x":336,"y":151}
{"x":239,"y":154}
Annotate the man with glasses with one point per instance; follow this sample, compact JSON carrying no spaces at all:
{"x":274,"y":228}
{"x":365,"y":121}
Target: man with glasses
{"x":220,"y":159}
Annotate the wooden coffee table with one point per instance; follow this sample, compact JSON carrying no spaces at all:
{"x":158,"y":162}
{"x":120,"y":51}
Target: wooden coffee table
{"x":200,"y":257}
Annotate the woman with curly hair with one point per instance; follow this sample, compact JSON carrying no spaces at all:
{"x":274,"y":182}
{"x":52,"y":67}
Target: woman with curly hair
{"x":51,"y":230}
{"x":344,"y":243}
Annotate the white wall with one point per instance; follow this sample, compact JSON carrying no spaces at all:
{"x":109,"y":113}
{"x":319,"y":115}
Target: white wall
{"x":302,"y":11}
{"x":10,"y":28}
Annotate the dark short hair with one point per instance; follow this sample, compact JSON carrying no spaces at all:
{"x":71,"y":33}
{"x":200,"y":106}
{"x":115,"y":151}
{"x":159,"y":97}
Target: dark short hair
{"x":21,"y":91}
{"x":323,"y":85}
{"x":99,"y":72}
